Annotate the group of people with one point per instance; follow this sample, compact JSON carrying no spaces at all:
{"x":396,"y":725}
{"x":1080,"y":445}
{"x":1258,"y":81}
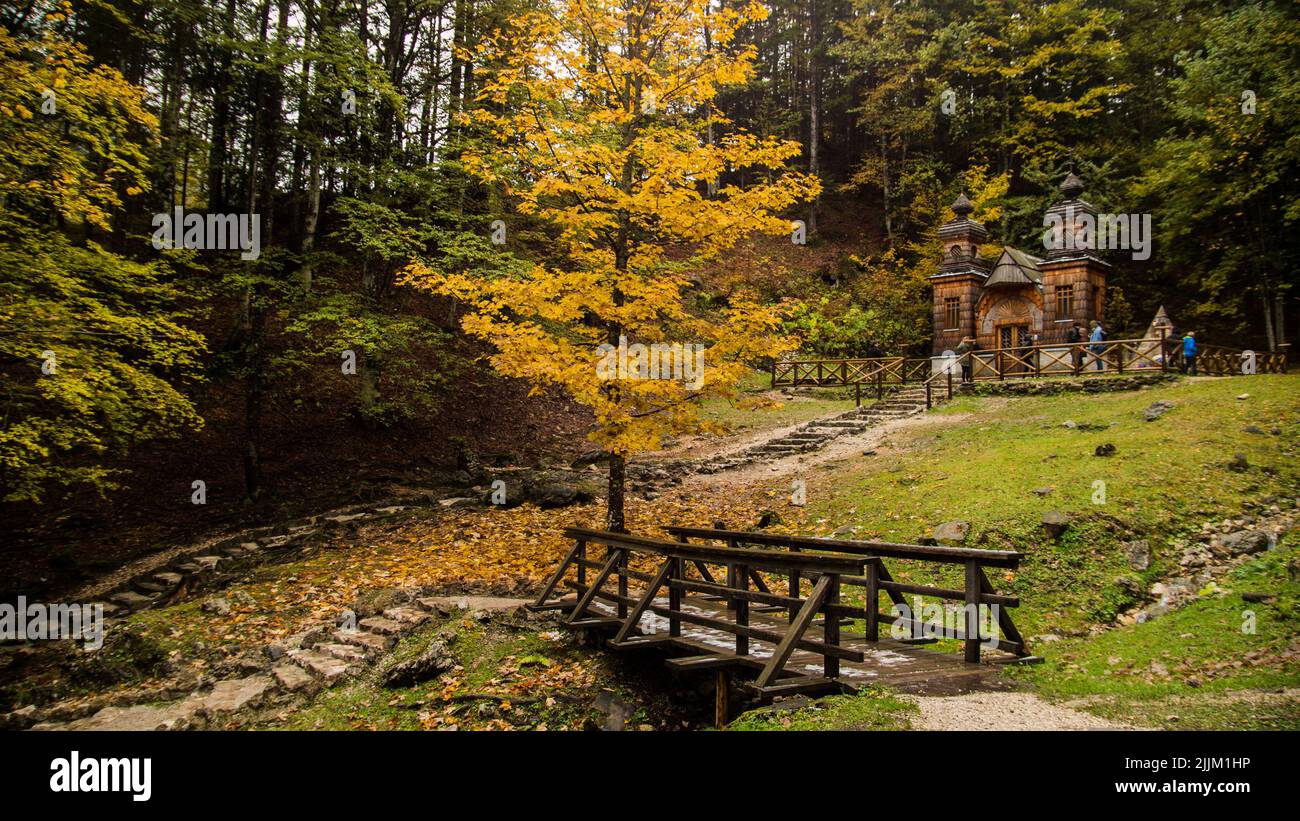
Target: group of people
{"x":1091,"y":340}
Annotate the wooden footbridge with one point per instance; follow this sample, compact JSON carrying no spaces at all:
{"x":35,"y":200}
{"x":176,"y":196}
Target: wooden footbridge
{"x":713,"y":605}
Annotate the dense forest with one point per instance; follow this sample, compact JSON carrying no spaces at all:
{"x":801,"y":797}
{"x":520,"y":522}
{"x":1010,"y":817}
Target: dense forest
{"x":449,"y":196}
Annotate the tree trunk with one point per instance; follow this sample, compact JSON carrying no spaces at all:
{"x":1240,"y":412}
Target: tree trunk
{"x":614,"y":518}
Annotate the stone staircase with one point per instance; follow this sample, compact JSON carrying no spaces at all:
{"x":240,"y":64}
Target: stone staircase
{"x":649,"y":477}
{"x":297,"y":667}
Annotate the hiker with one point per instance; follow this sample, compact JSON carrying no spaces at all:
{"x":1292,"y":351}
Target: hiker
{"x":1189,"y":353}
{"x":1074,"y":336}
{"x":1097,"y":337}
{"x":963,"y":354}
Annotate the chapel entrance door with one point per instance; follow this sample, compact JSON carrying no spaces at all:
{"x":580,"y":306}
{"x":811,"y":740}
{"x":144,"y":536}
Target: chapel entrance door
{"x":1011,"y":339}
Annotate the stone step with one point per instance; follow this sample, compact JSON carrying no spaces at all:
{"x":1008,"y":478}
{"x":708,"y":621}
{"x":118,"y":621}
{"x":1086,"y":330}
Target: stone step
{"x":237,"y":551}
{"x":368,"y":641}
{"x":132,"y":601}
{"x":293,"y":678}
{"x":208,"y":562}
{"x":382,"y":626}
{"x":233,"y":695}
{"x":343,"y":652}
{"x":148,"y":587}
{"x":324,"y":667}
{"x":407,"y":615}
{"x":168,"y":579}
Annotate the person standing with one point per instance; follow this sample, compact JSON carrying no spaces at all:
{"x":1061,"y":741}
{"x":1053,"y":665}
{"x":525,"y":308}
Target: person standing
{"x":1096,"y":338}
{"x":1074,"y":337}
{"x":963,"y":355}
{"x":1189,"y":352}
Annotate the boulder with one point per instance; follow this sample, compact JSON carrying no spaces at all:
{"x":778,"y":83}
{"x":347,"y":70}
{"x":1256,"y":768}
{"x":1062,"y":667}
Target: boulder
{"x":1056,"y":523}
{"x":1238,"y":463}
{"x":951,"y":533}
{"x":1107,"y":449}
{"x":1245,"y":541}
{"x":216,"y":606}
{"x":1138,"y":554}
{"x":433,"y":662}
{"x":1157,"y":409}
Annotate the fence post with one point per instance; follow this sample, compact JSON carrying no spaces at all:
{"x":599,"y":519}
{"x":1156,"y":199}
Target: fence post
{"x":674,"y":598}
{"x":622,"y":584}
{"x":950,"y":383}
{"x":831,"y":627}
{"x":873,"y":600}
{"x":742,"y":610}
{"x":1164,"y":355}
{"x":857,"y":394}
{"x":1119,"y":356}
{"x":972,"y":612}
{"x":928,"y":402}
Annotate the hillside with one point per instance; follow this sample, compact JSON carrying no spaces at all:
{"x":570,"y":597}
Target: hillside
{"x":997,"y":463}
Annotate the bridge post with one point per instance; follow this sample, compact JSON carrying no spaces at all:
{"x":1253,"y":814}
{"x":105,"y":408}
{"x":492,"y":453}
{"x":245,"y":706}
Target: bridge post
{"x":972,"y":612}
{"x":721,"y":697}
{"x":742,"y":610}
{"x":873,"y":600}
{"x":831,"y":628}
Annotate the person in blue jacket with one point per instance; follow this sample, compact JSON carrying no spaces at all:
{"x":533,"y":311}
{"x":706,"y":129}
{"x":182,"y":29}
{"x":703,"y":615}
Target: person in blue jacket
{"x":1189,"y":353}
{"x":1097,"y":337}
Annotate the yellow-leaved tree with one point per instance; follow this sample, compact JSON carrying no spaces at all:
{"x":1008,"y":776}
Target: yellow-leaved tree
{"x":601,"y":123}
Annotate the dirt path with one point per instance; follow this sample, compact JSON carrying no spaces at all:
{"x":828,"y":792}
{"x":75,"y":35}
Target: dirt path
{"x":850,"y":446}
{"x":1003,"y":711}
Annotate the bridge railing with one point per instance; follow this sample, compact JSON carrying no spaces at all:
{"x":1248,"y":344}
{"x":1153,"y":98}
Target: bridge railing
{"x":622,"y":612}
{"x":876,"y":579}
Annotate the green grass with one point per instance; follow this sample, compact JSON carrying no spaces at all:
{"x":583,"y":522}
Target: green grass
{"x":868,"y":710}
{"x":1176,"y":671}
{"x":1165,"y":478}
{"x":740,"y":417}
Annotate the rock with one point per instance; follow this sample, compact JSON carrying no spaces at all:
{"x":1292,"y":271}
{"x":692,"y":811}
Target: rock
{"x":433,"y":662}
{"x":1043,"y":491}
{"x":1138,"y":554}
{"x":591,"y":457}
{"x":1245,"y":541}
{"x":769,"y":518}
{"x":1275,"y":430}
{"x":616,"y":710}
{"x":383,"y":626}
{"x":1055,"y":523}
{"x":293,"y":678}
{"x":1243,"y":396}
{"x":1104,"y":450}
{"x":243,"y":599}
{"x":1157,"y":409}
{"x":1069,"y":423}
{"x":846,"y":532}
{"x":1238,"y":463}
{"x":177,"y":715}
{"x":1158,"y":669}
{"x":217,"y":606}
{"x":324,"y":667}
{"x":1258,"y":598}
{"x":553,"y":495}
{"x":1255,"y":429}
{"x":951,"y":533}
{"x":236,"y":694}
{"x":458,"y":501}
{"x":446,"y":604}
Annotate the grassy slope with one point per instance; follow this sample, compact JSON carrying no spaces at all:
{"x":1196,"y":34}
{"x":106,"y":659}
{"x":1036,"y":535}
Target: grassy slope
{"x":1166,"y":478}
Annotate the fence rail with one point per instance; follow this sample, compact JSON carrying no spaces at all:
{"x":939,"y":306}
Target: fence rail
{"x":1027,"y":361}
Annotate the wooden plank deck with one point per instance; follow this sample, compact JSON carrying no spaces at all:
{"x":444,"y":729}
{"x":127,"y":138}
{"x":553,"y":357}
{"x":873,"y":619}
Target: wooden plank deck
{"x":906,"y":667}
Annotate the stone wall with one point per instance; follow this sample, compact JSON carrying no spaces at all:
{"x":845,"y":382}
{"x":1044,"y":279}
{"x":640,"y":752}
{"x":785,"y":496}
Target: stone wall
{"x":1048,"y":387}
